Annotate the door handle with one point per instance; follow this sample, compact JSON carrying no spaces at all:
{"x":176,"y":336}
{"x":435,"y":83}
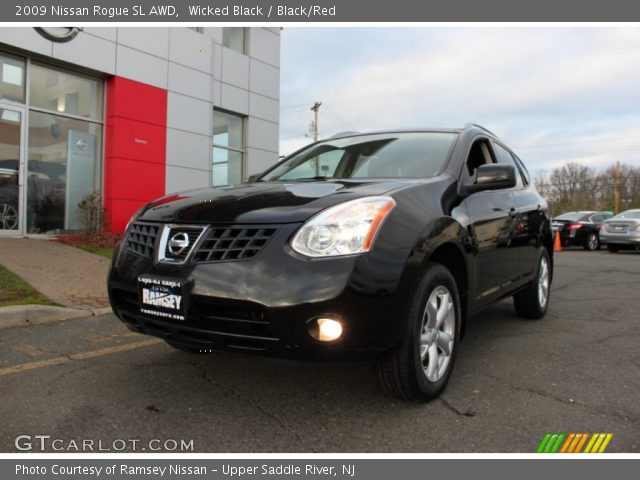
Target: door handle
{"x":513,"y":213}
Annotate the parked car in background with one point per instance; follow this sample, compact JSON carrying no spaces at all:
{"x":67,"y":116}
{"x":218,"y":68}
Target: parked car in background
{"x":622,"y":232}
{"x":580,"y":229}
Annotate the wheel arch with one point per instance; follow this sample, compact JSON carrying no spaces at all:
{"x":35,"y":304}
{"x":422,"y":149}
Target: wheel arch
{"x":450,"y":256}
{"x":444,"y":244}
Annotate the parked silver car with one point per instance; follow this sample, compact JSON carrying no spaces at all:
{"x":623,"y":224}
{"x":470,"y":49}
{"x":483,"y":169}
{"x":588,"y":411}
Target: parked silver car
{"x":622,"y":232}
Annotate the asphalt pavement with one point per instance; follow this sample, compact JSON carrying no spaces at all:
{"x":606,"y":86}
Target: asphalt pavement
{"x":515,"y":380}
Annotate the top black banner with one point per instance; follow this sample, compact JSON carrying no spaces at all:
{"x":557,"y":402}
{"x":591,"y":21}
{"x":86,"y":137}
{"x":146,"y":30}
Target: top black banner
{"x":310,"y":11}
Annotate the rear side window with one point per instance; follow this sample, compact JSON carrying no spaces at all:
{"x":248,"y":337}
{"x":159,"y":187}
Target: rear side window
{"x":523,"y":169}
{"x":503,"y":156}
{"x":597,"y":218}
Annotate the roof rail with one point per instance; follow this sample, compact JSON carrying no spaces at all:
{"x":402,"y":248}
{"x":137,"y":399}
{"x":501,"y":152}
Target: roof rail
{"x":470,"y":125}
{"x":342,"y":134}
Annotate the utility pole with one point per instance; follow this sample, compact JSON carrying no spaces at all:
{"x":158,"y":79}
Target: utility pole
{"x":314,"y":125}
{"x":616,"y":192}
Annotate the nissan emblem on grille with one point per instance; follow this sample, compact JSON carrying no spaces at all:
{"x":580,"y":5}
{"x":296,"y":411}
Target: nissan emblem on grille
{"x":178,"y":243}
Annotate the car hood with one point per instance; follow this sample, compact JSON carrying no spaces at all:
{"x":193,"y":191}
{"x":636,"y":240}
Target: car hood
{"x":263,"y":202}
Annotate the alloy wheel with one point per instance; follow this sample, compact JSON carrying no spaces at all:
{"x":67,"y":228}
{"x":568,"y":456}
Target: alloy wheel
{"x":8,"y":217}
{"x":543,"y":282}
{"x":437,"y":333}
{"x":592,"y":242}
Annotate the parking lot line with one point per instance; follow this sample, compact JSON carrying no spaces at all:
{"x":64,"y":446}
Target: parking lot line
{"x":77,"y":356}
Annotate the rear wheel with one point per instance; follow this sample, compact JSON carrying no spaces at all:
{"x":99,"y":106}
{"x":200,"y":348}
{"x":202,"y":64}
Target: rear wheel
{"x":612,"y":248}
{"x":592,"y":242}
{"x":532,"y":302}
{"x":420,"y":366}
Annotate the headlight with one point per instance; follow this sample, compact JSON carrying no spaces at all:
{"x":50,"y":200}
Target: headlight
{"x":343,"y":229}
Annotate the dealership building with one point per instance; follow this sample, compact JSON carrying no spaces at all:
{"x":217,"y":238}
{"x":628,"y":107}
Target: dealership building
{"x":132,"y":113}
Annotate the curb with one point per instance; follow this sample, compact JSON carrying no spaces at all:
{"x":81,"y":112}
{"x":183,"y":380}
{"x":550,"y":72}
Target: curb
{"x":22,"y":315}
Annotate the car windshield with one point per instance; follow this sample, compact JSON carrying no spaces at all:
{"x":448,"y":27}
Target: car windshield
{"x":635,"y":214}
{"x":391,"y":155}
{"x":571,"y":216}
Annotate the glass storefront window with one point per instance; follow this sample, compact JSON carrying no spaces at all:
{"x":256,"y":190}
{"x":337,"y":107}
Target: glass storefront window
{"x":65,"y":92}
{"x":228,"y":148}
{"x":12,"y":83}
{"x":62,"y":168}
{"x":227,"y":167}
{"x":10,"y":149}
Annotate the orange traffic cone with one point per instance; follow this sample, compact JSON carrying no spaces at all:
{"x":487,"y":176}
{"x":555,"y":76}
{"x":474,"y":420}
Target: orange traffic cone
{"x":557,"y":245}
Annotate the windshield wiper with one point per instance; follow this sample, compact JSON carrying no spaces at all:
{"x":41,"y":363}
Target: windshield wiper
{"x":309,"y":179}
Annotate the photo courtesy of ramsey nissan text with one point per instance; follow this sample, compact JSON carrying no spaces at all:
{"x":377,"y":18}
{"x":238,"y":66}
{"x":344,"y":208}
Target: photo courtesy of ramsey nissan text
{"x":256,"y":240}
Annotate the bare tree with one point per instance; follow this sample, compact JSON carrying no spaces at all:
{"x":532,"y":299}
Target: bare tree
{"x":575,"y":186}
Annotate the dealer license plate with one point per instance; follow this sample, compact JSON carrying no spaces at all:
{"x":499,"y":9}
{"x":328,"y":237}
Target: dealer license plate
{"x":162,"y":297}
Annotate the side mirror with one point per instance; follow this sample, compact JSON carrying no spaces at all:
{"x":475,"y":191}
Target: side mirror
{"x":253,"y":178}
{"x":494,"y":176}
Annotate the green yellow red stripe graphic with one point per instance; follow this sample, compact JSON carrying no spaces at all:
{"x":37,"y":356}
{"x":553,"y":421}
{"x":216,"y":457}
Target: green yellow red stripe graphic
{"x":574,"y":442}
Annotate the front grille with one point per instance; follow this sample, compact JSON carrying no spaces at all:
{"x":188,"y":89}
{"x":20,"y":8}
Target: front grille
{"x":174,"y":254}
{"x":233,"y":243}
{"x":141,"y":238}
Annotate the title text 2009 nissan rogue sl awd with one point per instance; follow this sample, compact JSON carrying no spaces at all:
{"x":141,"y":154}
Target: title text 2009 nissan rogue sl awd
{"x":376,"y":245}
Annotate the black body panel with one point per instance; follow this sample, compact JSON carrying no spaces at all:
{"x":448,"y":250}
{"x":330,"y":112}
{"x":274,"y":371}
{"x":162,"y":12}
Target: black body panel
{"x":262,"y":304}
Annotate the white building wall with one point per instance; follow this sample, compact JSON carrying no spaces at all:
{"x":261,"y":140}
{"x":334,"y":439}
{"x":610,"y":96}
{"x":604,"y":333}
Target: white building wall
{"x":198,"y":73}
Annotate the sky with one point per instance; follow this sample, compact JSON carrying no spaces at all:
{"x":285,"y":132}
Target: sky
{"x":553,"y":95}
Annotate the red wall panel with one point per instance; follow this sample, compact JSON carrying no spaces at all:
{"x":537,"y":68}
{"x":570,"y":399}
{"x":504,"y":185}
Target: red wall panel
{"x":136,"y":101}
{"x":137,"y":141}
{"x":135,"y":148}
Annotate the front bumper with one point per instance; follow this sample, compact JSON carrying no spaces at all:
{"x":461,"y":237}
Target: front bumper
{"x":262,"y":305}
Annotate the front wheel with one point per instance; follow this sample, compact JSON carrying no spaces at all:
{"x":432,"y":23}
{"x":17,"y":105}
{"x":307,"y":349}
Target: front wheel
{"x":533,"y":300}
{"x":420,"y":366}
{"x":592,"y":242}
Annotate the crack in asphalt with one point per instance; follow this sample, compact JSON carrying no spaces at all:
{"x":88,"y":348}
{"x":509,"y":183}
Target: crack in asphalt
{"x":571,"y":402}
{"x":606,"y":338}
{"x":205,"y":375}
{"x":457,"y":411}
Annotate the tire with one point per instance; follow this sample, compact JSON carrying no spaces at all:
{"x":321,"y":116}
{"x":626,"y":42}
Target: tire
{"x":592,"y":242}
{"x":612,"y":248}
{"x":183,"y":348}
{"x":419,"y":368}
{"x":532,"y":302}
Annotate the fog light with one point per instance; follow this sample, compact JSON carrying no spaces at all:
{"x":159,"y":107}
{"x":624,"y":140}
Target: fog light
{"x":325,"y":329}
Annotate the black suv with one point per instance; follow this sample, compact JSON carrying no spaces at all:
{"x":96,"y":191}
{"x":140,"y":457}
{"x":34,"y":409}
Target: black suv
{"x":376,"y":245}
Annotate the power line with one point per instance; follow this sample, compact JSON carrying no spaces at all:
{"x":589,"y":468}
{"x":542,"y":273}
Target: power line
{"x":579,"y":142}
{"x":561,"y":152}
{"x":339,"y":119}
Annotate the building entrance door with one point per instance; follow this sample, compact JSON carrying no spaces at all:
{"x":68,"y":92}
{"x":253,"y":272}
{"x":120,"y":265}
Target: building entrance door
{"x":12,"y":168}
